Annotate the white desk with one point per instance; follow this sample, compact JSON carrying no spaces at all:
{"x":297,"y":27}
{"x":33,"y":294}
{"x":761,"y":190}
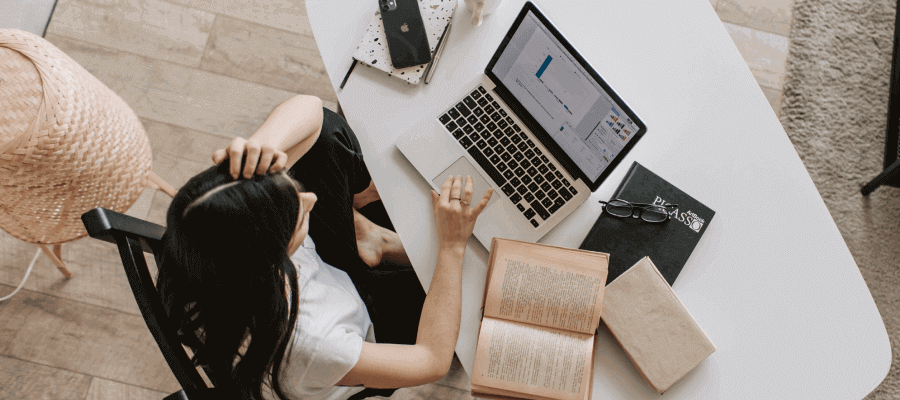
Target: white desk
{"x":772,"y":282}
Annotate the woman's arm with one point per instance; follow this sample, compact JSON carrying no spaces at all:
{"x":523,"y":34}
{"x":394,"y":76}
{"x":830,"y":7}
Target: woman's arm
{"x":397,"y":365}
{"x":393,"y":365}
{"x":287,"y":134}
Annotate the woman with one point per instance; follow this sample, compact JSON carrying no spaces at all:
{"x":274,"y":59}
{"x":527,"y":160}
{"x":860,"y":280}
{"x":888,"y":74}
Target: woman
{"x":263,"y":306}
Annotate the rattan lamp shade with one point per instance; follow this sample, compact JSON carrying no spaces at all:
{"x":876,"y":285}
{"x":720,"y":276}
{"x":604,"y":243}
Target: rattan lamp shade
{"x":68,"y":144}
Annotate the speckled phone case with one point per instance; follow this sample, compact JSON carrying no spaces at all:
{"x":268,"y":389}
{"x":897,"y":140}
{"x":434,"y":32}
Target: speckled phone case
{"x":372,"y":49}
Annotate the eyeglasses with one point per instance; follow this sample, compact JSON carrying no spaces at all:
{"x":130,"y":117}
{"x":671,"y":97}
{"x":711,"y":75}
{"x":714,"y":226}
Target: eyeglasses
{"x":648,"y":212}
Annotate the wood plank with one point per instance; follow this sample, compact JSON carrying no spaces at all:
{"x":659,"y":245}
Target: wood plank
{"x":141,"y":206}
{"x":180,"y":153}
{"x":82,"y":338}
{"x":102,"y":389}
{"x":289,"y":15}
{"x":177,"y":171}
{"x":183,"y":143}
{"x":772,"y":16}
{"x":765,"y":54}
{"x":267,"y":56}
{"x":178,"y":95}
{"x":152,"y":28}
{"x":25,"y":380}
{"x":158,"y":208}
{"x":97,"y":269}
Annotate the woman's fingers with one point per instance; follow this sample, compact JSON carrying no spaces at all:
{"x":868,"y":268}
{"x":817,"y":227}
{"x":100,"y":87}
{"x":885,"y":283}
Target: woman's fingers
{"x":456,"y":189}
{"x":219,"y":156}
{"x":483,"y":203}
{"x":253,"y":151}
{"x":280,"y":162}
{"x":256,"y":158}
{"x":235,"y":154}
{"x":445,"y":190}
{"x":467,"y":191}
{"x":265,"y":160}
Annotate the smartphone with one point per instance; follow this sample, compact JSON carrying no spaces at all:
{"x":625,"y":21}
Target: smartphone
{"x":407,"y":40}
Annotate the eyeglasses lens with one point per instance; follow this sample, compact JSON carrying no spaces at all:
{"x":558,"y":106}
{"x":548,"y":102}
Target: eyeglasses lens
{"x":654,"y":214}
{"x":618,"y":208}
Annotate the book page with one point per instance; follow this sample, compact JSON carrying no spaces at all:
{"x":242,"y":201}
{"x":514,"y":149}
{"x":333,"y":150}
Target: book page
{"x":546,"y":285}
{"x":536,"y":362}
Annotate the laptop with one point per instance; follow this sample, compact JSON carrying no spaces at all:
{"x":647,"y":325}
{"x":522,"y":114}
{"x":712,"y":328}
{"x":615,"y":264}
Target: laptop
{"x":540,"y":127}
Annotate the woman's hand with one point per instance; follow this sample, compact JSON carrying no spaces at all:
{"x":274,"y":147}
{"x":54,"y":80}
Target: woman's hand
{"x":260,"y":159}
{"x":454,"y":213}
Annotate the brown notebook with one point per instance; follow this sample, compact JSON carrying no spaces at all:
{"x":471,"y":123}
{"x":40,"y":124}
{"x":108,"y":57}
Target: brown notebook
{"x":542,"y":306}
{"x":653,"y":327}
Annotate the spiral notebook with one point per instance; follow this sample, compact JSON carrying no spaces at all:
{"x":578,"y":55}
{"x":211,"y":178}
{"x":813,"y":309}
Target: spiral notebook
{"x":372,"y":49}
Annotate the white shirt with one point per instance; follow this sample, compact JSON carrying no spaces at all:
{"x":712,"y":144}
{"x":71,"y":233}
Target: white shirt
{"x":332,"y":323}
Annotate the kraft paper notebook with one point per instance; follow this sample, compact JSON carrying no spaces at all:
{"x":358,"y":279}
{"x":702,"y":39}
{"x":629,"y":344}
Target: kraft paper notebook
{"x":372,"y":49}
{"x":542,"y":306}
{"x":653,"y":327}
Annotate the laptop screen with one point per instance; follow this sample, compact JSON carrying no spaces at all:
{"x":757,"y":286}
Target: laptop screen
{"x":584,"y":118}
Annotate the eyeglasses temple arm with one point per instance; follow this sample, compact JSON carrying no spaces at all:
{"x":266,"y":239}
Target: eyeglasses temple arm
{"x":640,"y":204}
{"x":658,"y":205}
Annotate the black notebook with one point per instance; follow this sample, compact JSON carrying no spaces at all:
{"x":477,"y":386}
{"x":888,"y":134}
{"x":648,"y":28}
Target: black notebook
{"x":627,"y":240}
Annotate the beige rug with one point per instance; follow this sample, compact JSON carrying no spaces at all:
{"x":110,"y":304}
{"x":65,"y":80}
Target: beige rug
{"x":835,"y":112}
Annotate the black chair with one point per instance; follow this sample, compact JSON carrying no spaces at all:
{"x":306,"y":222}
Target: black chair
{"x":891,"y":174}
{"x":134,"y":237}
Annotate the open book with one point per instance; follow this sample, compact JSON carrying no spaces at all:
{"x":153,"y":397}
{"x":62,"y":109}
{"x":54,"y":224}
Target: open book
{"x":542,"y":306}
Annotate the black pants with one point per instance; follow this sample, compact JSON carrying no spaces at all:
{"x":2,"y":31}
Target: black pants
{"x":334,"y":170}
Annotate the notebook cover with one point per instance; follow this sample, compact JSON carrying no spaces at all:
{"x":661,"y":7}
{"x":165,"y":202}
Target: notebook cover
{"x":627,"y":240}
{"x":653,"y":326}
{"x":372,"y":49}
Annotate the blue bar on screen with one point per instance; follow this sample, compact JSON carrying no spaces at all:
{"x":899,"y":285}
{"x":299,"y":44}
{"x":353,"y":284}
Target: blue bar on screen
{"x":543,"y":66}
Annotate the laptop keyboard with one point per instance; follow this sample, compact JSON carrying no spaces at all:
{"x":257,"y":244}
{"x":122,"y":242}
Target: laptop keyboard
{"x":508,"y":155}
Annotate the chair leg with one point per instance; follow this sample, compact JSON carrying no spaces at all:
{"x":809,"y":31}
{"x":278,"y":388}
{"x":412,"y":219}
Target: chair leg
{"x":889,"y":174}
{"x":55,"y":256}
{"x":161,"y":184}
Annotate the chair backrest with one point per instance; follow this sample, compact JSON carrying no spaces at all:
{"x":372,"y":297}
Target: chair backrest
{"x":134,"y":237}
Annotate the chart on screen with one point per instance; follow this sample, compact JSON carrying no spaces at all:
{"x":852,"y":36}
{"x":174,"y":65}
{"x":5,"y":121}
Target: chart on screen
{"x":564,"y":98}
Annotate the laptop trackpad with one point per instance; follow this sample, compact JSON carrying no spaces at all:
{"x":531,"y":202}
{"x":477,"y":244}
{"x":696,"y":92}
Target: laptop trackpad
{"x":463,"y":168}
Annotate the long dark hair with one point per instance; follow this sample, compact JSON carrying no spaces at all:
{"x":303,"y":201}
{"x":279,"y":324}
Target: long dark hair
{"x":223,"y":272}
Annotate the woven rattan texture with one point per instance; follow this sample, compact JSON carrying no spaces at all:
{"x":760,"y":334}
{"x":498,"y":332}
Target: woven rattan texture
{"x":68,"y":144}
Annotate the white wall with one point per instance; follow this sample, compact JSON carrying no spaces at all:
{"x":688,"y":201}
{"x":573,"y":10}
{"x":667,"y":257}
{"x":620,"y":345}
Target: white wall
{"x":27,"y":15}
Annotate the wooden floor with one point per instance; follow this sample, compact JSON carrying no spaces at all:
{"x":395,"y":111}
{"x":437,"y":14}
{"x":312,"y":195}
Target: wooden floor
{"x":198,"y":73}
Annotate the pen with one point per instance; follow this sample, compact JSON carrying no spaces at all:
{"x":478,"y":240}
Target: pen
{"x":437,"y":48}
{"x":437,"y":53}
{"x":344,"y":82}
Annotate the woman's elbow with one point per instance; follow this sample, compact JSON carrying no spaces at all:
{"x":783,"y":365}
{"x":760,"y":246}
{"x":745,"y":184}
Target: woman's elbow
{"x":302,"y":101}
{"x":315,"y":101}
{"x":438,"y":367}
